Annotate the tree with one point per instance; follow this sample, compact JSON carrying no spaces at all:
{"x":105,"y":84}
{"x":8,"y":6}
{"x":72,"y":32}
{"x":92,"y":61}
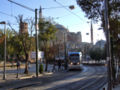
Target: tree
{"x":46,"y":35}
{"x":94,"y":10}
{"x":97,"y":53}
{"x":27,"y":43}
{"x":10,"y":46}
{"x":1,"y":36}
{"x":1,"y":44}
{"x":10,"y":49}
{"x":23,"y":42}
{"x":17,"y":45}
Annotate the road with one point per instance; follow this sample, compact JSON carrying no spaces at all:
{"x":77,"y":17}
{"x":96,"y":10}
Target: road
{"x":91,"y":78}
{"x":32,"y":69}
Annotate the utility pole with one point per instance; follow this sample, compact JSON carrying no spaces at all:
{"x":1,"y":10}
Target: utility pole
{"x":40,"y":20}
{"x":36,"y":30}
{"x":108,"y":46}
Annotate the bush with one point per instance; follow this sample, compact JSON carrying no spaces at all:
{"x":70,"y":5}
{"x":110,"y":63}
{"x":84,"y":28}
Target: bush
{"x":41,"y":68}
{"x":97,"y":53}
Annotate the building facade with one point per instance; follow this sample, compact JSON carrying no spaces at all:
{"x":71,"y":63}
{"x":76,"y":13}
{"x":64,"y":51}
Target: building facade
{"x":72,"y":39}
{"x":23,"y":28}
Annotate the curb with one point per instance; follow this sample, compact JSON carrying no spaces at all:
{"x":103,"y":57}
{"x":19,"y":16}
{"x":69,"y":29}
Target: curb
{"x":32,"y":76}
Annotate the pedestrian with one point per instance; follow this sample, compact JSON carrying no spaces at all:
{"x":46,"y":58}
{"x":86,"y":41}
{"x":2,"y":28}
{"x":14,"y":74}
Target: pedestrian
{"x":59,"y":64}
{"x":18,"y":64}
{"x":18,"y":67}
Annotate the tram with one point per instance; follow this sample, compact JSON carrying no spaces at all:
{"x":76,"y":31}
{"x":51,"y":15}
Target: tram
{"x":75,"y":59}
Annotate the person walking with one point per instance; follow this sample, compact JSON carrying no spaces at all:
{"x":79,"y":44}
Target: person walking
{"x":18,"y":67}
{"x":59,"y":64}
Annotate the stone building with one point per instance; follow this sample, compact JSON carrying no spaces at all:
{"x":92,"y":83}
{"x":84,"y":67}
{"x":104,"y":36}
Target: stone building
{"x":72,"y":39}
{"x":23,"y":27}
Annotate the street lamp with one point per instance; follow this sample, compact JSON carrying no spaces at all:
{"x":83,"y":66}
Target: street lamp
{"x":4,"y":69}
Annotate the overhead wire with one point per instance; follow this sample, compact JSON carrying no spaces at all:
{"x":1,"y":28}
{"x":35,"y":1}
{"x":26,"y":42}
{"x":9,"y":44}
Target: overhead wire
{"x":7,"y":14}
{"x":54,"y":7}
{"x":22,"y":6}
{"x":44,"y":8}
{"x":10,"y":15}
{"x":68,"y":10}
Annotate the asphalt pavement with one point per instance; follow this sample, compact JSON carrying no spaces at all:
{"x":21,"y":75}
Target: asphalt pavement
{"x":23,"y":79}
{"x":12,"y":81}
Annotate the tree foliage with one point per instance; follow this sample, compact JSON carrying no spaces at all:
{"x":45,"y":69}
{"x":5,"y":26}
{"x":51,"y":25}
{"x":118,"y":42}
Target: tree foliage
{"x":1,"y":44}
{"x":47,"y":30}
{"x":94,"y":9}
{"x":46,"y":35}
{"x":97,"y":53}
{"x":23,"y":42}
{"x":10,"y":48}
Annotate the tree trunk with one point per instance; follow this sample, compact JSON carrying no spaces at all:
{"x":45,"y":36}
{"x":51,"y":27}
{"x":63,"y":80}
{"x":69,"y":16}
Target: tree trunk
{"x":46,"y":65}
{"x":26,"y":64}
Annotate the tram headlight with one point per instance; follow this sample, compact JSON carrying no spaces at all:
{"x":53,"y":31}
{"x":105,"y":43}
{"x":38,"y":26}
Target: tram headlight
{"x":71,"y":63}
{"x":78,"y":63}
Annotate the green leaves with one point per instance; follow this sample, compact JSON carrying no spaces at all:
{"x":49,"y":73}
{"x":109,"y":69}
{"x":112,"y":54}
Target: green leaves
{"x":46,"y":34}
{"x":92,"y":8}
{"x":97,"y":53}
{"x":47,"y":30}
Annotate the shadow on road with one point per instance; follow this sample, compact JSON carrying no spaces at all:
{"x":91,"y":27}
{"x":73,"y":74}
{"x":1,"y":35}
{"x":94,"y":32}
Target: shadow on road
{"x":74,"y":70}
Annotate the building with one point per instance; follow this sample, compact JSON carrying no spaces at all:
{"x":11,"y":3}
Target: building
{"x":75,"y":37}
{"x":61,"y":38}
{"x":23,"y":27}
{"x":61,"y":32}
{"x":72,"y":39}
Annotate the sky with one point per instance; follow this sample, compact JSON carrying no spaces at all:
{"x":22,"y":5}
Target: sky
{"x":74,"y":20}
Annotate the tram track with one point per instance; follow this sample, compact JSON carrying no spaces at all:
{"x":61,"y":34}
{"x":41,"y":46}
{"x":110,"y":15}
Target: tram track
{"x":84,"y":83}
{"x":91,"y":79}
{"x":95,"y":82}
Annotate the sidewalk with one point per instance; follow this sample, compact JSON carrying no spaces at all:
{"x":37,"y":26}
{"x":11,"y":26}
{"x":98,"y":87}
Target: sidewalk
{"x":12,"y":82}
{"x":11,"y":73}
{"x":117,"y":87}
{"x":23,"y":79}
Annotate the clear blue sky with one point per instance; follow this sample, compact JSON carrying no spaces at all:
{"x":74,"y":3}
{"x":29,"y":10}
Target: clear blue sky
{"x":72,"y":22}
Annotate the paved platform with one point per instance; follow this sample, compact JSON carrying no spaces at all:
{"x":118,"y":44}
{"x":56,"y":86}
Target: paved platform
{"x":117,"y":87}
{"x":11,"y":73}
{"x":12,"y":82}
